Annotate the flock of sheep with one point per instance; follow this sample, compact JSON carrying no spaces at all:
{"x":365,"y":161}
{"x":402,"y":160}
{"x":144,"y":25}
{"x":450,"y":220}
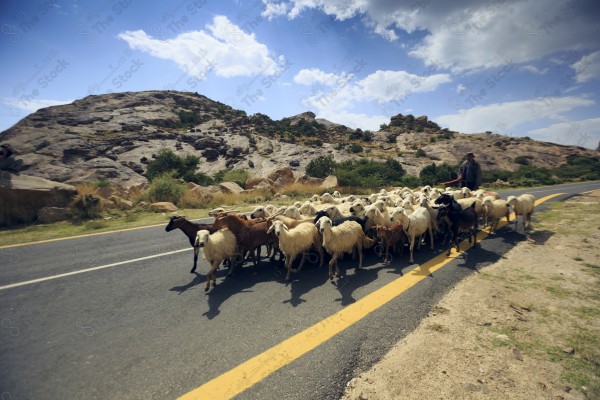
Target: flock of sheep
{"x":339,"y":225}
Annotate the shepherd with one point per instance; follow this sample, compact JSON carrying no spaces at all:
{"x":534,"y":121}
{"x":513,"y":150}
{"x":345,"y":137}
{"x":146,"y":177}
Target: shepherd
{"x":470,"y":173}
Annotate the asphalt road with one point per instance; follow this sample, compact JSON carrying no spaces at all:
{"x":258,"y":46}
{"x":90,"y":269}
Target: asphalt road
{"x":146,"y":330}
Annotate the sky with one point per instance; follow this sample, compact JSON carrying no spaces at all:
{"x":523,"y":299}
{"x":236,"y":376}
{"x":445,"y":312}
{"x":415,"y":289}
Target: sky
{"x":515,"y":67}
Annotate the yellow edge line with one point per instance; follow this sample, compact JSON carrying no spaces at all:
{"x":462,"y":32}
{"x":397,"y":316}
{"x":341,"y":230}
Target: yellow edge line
{"x":252,"y":371}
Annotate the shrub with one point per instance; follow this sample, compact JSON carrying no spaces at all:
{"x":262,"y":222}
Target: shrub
{"x":392,"y":138}
{"x":167,"y":162}
{"x":356,"y":134}
{"x":320,"y":167}
{"x":383,"y":127}
{"x":420,"y":153}
{"x":239,"y":176}
{"x":435,"y":174}
{"x":86,"y":206}
{"x":189,"y":118}
{"x":523,"y":160}
{"x":369,"y":173}
{"x":367,"y":136}
{"x":164,"y":188}
{"x":356,"y":148}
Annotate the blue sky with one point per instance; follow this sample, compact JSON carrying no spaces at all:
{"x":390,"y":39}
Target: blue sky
{"x":516,"y":67}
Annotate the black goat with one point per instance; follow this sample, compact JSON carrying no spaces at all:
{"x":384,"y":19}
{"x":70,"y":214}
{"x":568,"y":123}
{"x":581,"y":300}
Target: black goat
{"x":339,"y":221}
{"x":457,"y":219}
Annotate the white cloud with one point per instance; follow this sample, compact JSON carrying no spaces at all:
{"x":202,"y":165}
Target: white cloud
{"x":585,"y":133}
{"x":314,"y":75}
{"x":534,"y":69}
{"x":380,"y":85}
{"x":460,"y":88}
{"x":224,"y":49}
{"x":355,"y":120}
{"x":511,"y":114}
{"x":394,"y":85}
{"x":465,"y":35}
{"x":32,"y":105}
{"x":334,"y":96}
{"x":588,"y":67}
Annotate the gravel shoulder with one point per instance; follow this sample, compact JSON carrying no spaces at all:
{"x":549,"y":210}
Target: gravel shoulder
{"x":527,"y":327}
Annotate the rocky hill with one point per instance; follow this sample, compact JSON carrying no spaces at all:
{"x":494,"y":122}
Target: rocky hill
{"x":114,"y":136}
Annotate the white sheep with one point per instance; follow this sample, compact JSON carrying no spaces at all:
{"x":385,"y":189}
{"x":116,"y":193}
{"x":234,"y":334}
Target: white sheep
{"x":314,"y":198}
{"x":337,"y":194}
{"x":494,"y":210}
{"x":216,"y":248}
{"x":341,"y":239}
{"x":468,"y":202}
{"x":327,"y":198}
{"x":308,"y":209}
{"x":333,"y":212}
{"x":433,"y":213}
{"x":435,"y":193}
{"x":374,"y":217}
{"x":466,"y":192}
{"x":372,"y":198}
{"x":260,"y":212}
{"x":348,"y":199}
{"x":292,"y":212}
{"x":415,"y":225}
{"x":522,"y":205}
{"x":358,"y":209}
{"x":296,"y":240}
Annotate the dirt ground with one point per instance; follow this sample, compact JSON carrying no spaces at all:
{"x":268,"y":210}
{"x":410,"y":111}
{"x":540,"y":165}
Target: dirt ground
{"x":527,"y":327}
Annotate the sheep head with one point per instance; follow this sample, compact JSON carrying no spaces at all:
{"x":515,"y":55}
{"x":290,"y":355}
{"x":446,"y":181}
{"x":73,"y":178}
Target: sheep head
{"x":511,"y":200}
{"x":324,"y":223}
{"x":201,"y":238}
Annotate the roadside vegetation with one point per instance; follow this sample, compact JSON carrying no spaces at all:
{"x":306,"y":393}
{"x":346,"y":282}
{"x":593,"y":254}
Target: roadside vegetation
{"x":169,"y":175}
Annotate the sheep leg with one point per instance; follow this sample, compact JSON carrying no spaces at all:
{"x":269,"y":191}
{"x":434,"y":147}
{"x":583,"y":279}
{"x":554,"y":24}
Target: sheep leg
{"x":317,"y":244}
{"x":210,"y":275}
{"x":196,"y":251}
{"x":412,"y":246}
{"x":387,"y":253}
{"x":333,"y":261}
{"x":288,"y":265}
{"x":430,"y":237}
{"x":301,"y":262}
{"x":360,"y":256}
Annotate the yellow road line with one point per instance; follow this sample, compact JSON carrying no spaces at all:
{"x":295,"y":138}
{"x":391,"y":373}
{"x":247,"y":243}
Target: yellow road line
{"x":252,"y":371}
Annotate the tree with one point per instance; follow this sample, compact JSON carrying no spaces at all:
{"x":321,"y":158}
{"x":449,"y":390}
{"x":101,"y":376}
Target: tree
{"x":167,"y":162}
{"x":320,"y":167}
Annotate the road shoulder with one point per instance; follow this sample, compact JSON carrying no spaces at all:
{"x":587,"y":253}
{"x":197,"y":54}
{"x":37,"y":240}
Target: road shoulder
{"x":525,"y":327}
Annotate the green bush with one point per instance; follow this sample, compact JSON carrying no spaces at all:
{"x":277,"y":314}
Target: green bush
{"x":367,"y":136}
{"x":167,"y":162}
{"x":383,"y":127}
{"x":369,"y":173}
{"x":392,"y":138}
{"x":164,"y":188}
{"x":435,"y":174}
{"x":190,"y":118}
{"x":239,"y":176}
{"x":529,"y":175}
{"x":420,"y":153}
{"x":320,"y":167}
{"x":86,"y":206}
{"x":523,"y":160}
{"x":356,"y":148}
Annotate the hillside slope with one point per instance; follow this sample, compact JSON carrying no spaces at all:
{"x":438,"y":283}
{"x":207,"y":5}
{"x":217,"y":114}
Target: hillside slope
{"x":113,"y":136}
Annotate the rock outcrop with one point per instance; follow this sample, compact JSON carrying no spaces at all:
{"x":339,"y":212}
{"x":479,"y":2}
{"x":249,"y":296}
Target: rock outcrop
{"x":114,"y":137}
{"x":23,"y":196}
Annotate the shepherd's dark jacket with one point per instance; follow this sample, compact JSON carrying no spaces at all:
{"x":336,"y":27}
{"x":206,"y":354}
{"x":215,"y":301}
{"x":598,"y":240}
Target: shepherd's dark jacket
{"x":471,"y":172}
